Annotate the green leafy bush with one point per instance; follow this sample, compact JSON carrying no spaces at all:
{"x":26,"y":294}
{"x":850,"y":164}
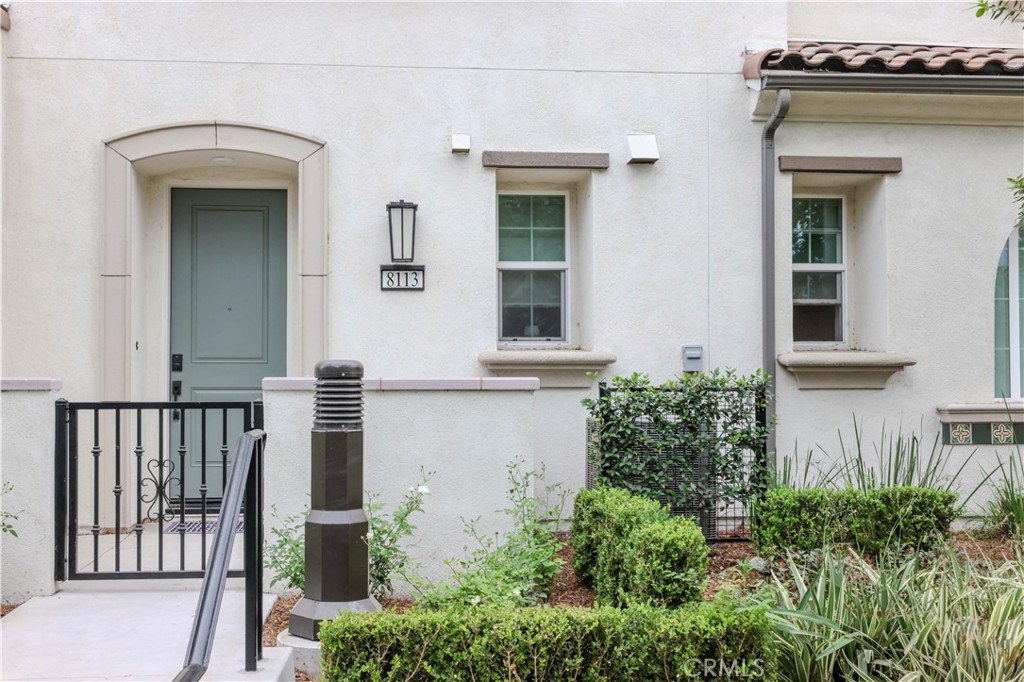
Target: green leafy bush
{"x":6,"y":517}
{"x":586,"y":516}
{"x":385,"y":541}
{"x":647,"y":434}
{"x":1005,"y":512}
{"x":518,"y":570}
{"x":710,"y":641}
{"x":810,"y":518}
{"x":667,"y":564}
{"x":285,"y":557}
{"x":603,"y":522}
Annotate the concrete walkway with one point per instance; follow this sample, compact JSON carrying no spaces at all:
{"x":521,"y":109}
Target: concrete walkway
{"x":128,"y":630}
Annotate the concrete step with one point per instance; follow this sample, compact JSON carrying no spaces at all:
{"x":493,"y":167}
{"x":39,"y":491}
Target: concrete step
{"x":134,"y":631}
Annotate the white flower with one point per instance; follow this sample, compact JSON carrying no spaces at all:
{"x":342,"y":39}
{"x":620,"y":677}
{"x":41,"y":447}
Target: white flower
{"x":411,"y":489}
{"x":517,"y":592}
{"x":369,"y":535}
{"x":474,"y":600}
{"x":423,"y":490}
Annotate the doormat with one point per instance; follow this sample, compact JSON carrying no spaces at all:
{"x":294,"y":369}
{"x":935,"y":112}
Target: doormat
{"x":196,"y":527}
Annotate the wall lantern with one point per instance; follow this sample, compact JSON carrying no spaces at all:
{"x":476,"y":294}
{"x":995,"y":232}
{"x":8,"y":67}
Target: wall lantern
{"x":402,"y":227}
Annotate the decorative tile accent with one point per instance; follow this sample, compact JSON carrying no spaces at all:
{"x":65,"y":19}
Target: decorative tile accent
{"x":982,"y":433}
{"x":1002,"y":434}
{"x":961,"y":434}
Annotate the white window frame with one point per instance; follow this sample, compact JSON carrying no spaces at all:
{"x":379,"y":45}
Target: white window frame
{"x":565,"y":267}
{"x":1013,"y":319}
{"x":842,"y":268}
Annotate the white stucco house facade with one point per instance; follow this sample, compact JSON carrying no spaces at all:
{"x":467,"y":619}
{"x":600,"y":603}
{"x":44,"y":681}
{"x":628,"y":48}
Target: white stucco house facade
{"x":816,"y":189}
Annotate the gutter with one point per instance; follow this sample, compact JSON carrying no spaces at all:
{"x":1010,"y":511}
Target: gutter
{"x":768,"y":249}
{"x":894,"y":83}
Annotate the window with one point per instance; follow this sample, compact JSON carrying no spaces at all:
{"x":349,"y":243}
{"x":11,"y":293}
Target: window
{"x":533,"y":265}
{"x":819,"y":270}
{"x":1009,"y":297}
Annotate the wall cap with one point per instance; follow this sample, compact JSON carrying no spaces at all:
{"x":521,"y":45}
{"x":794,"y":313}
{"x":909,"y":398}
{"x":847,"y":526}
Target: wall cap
{"x":839,"y":369}
{"x":385,"y":384}
{"x":30,"y":384}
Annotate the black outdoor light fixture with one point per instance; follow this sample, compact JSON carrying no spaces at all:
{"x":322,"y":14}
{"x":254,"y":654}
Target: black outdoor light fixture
{"x":402,"y":229}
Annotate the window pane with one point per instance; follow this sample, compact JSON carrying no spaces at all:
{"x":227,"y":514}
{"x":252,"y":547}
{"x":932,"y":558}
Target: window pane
{"x":549,"y":210}
{"x":817,"y":323}
{"x":816,"y":285}
{"x":513,"y":210}
{"x":531,"y":227}
{"x":548,"y":245}
{"x":515,"y":287}
{"x":513,"y":244}
{"x":531,"y":304}
{"x":817,"y":230}
{"x":801,"y":246}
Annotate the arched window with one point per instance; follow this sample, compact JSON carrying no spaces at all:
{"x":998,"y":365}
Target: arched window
{"x":1009,"y":290}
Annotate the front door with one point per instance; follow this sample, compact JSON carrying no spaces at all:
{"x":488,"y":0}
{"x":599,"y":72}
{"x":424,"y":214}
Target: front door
{"x":228,"y":311}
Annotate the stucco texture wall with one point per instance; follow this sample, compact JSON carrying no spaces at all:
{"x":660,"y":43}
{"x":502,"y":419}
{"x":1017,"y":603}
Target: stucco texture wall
{"x":671,"y":252}
{"x":26,"y":439}
{"x":465,"y":439}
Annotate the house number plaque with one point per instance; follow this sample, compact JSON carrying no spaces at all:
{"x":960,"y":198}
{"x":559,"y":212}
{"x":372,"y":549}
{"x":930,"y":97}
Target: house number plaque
{"x":402,"y":277}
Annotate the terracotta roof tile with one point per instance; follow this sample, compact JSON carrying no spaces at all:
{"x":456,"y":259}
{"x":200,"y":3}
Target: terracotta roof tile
{"x":877,"y":58}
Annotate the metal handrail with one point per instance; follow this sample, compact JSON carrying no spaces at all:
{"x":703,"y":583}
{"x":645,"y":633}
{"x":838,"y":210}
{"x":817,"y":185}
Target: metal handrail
{"x":248,"y":454}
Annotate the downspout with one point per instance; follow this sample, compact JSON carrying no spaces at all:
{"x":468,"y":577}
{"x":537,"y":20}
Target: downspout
{"x":768,"y":248}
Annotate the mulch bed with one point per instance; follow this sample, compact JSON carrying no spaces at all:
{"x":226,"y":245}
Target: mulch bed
{"x":726,"y":569}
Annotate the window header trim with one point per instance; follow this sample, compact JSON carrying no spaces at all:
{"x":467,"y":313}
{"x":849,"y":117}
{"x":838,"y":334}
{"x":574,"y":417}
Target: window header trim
{"x":841,"y":164}
{"x":513,"y":159}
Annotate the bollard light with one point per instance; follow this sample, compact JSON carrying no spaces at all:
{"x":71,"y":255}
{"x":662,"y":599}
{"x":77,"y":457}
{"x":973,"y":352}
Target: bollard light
{"x":402,"y":229}
{"x":337,"y":558}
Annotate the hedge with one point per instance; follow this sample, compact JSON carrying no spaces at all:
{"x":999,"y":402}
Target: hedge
{"x":667,"y":564}
{"x":602,"y":520}
{"x":709,"y":641}
{"x":809,"y":518}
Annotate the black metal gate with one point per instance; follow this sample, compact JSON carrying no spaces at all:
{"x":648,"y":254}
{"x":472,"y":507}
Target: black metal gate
{"x":121,"y":473}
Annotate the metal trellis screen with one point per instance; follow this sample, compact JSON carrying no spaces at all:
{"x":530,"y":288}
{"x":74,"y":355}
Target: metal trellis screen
{"x":695,"y":464}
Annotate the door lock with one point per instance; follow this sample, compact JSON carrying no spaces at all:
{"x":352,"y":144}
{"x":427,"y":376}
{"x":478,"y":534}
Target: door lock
{"x":175,"y":394}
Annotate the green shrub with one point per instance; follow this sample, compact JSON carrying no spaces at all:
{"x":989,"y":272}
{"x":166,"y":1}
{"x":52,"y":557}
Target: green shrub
{"x":955,"y":620}
{"x":285,"y":557}
{"x":545,"y":644}
{"x":647,"y":434}
{"x":385,"y":541}
{"x":1005,"y":513}
{"x":906,"y":516}
{"x":810,"y":518}
{"x":801,"y":520}
{"x":667,"y":564}
{"x":517,"y":571}
{"x":601,"y":537}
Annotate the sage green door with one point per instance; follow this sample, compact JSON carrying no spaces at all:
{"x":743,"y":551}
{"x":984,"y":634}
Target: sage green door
{"x":228,"y":262}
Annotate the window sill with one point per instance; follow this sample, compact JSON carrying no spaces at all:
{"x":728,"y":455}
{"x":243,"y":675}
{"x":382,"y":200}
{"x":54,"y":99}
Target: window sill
{"x":989,"y":411}
{"x":843,"y":369}
{"x":554,"y":368}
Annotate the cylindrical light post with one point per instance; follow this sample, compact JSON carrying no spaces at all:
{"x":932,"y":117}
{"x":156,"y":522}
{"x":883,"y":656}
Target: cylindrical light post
{"x":337,"y":558}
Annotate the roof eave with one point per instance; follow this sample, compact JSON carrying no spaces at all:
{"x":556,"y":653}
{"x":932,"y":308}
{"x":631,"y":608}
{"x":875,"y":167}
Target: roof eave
{"x":894,"y":83}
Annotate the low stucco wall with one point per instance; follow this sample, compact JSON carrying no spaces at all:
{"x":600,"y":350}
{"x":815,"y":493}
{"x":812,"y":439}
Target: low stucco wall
{"x":26,"y":441}
{"x":467,"y":436}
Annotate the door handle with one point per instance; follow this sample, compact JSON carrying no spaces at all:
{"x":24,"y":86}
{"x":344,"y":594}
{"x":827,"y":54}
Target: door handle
{"x":175,"y":394}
